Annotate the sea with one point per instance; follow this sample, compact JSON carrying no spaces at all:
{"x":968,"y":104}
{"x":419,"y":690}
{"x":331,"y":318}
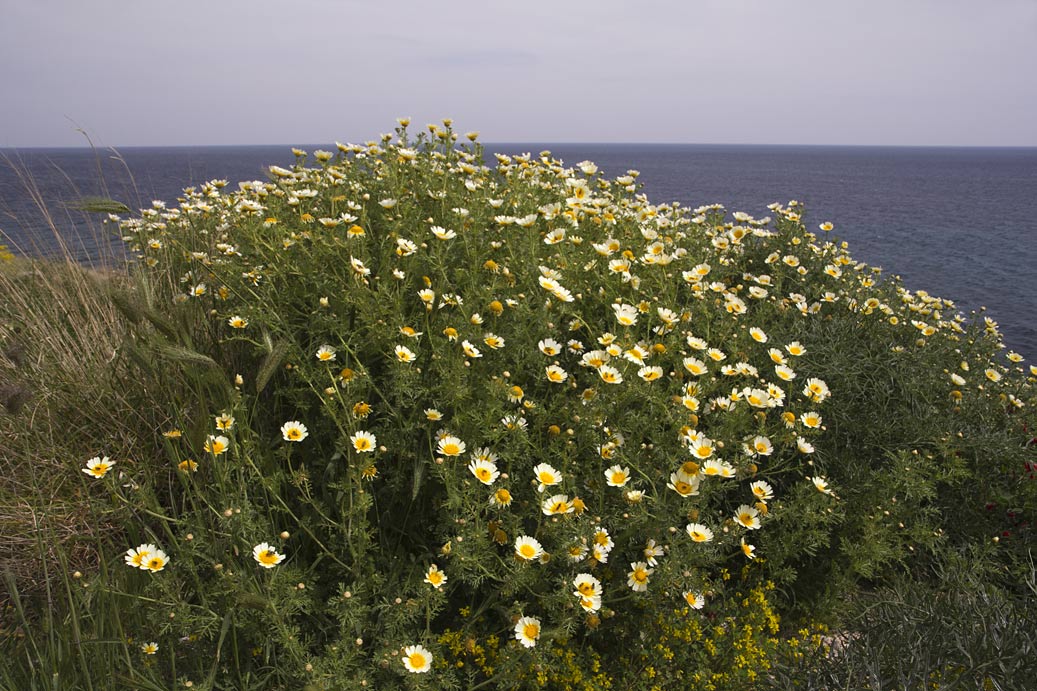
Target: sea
{"x":960,"y":223}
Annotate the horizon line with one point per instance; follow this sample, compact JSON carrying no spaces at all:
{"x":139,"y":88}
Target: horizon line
{"x":117,"y":147}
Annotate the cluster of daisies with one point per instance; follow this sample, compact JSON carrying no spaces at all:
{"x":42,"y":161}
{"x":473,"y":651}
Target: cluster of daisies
{"x":614,"y":285}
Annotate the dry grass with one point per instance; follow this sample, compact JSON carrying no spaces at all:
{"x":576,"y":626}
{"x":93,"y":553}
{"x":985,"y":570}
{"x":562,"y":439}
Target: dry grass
{"x":60,"y":334}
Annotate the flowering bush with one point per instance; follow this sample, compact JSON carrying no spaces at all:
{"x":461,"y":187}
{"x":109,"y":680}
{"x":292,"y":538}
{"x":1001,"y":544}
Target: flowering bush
{"x":420,"y":404}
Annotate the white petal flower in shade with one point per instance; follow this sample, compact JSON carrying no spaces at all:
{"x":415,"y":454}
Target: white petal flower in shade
{"x":434,"y":577}
{"x":556,"y":504}
{"x":556,"y":374}
{"x":138,"y":556}
{"x":546,"y":476}
{"x":156,"y":561}
{"x":266,"y":555}
{"x":450,"y":446}
{"x":294,"y":431}
{"x":527,"y":631}
{"x":98,"y":467}
{"x":748,"y":517}
{"x":326,"y":353}
{"x":484,"y":471}
{"x":821,"y":484}
{"x":699,"y":532}
{"x":694,"y":600}
{"x":417,"y":659}
{"x":762,"y":490}
{"x":364,"y":442}
{"x":637,"y":577}
{"x":528,"y":548}
{"x":617,"y":476}
{"x":404,"y":354}
{"x":549,"y":347}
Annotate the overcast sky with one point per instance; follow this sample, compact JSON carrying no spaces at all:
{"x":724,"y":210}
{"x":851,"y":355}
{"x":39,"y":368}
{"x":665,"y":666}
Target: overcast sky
{"x":181,"y":72}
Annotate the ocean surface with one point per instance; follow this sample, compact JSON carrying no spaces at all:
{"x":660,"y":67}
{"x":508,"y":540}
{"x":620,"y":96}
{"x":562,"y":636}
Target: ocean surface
{"x":960,"y":223}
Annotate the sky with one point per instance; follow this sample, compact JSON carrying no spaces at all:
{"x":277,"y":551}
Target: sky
{"x":233,"y":72}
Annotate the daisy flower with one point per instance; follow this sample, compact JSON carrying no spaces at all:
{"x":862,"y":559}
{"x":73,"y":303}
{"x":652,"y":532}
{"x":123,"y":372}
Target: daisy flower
{"x":748,"y":550}
{"x":527,"y":631}
{"x":821,"y":484}
{"x":748,"y":517}
{"x":650,"y":373}
{"x":98,"y":467}
{"x":695,"y":366}
{"x":625,"y":314}
{"x":699,"y":532}
{"x":651,"y":551}
{"x":237,"y":322}
{"x":325,"y":353}
{"x":762,"y":490}
{"x":795,"y":349}
{"x":694,"y":600}
{"x":546,"y":476}
{"x":556,"y":374}
{"x":417,"y":659}
{"x":501,"y":498}
{"x":156,"y":561}
{"x":293,"y":430}
{"x":433,"y":415}
{"x":811,"y":420}
{"x":577,"y":552}
{"x":139,"y":556}
{"x":443,"y":233}
{"x":434,"y":577}
{"x":683,"y":483}
{"x":617,"y":476}
{"x":637,"y":577}
{"x":761,"y":446}
{"x":216,"y":445}
{"x":586,"y":585}
{"x":404,"y":354}
{"x":549,"y":347}
{"x":470,"y":350}
{"x":610,"y":375}
{"x":363,"y":442}
{"x":450,"y":446}
{"x":556,"y":504}
{"x":484,"y":471}
{"x":266,"y":555}
{"x":528,"y":548}
{"x":149,"y":648}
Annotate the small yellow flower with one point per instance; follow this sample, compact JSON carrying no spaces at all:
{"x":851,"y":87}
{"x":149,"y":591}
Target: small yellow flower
{"x":149,"y":648}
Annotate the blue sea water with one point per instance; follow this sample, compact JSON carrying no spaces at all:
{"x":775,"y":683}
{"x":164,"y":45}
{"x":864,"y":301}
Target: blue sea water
{"x":960,"y":223}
